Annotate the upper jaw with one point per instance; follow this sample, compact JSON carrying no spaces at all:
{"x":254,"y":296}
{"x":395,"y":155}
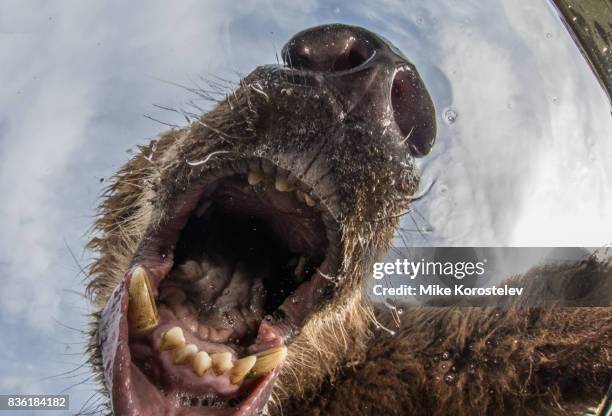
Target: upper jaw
{"x":154,"y":258}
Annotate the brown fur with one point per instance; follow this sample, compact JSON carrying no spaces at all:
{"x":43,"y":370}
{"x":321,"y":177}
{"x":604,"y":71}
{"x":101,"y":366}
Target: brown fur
{"x":526,"y":361}
{"x":477,"y":362}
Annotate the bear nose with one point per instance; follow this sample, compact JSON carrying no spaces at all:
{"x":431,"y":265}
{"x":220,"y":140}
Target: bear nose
{"x":330,"y":48}
{"x":372,"y":77}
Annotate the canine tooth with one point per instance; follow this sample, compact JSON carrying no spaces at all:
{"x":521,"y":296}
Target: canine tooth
{"x":255,"y":177}
{"x":282,"y":185}
{"x":270,"y":351}
{"x":185,"y":354}
{"x":221,"y":362}
{"x":142,"y":311}
{"x":268,"y":360}
{"x":201,"y":363}
{"x":309,"y":201}
{"x":242,"y":368}
{"x":172,"y":339}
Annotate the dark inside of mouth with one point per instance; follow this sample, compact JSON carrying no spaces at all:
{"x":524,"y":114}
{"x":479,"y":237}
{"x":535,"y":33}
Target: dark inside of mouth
{"x":244,"y":251}
{"x":253,"y":270}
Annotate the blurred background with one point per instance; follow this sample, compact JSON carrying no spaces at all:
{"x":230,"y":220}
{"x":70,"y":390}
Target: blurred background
{"x":522,"y":158}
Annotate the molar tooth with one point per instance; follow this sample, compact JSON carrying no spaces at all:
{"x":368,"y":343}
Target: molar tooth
{"x":268,"y":360}
{"x":255,"y":177}
{"x":282,"y":185}
{"x":185,"y":354}
{"x":309,"y":200}
{"x":142,"y":311}
{"x":201,"y":363}
{"x":221,"y":362}
{"x":242,"y":368}
{"x":172,"y":339}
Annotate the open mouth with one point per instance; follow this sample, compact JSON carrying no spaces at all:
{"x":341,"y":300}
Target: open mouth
{"x":253,"y":251}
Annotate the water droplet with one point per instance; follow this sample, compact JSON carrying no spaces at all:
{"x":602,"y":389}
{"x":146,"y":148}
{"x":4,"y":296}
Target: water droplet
{"x":400,"y":310}
{"x":472,"y":368}
{"x":450,"y":116}
{"x":548,"y":35}
{"x":555,"y":100}
{"x":450,"y":378}
{"x":446,"y":356}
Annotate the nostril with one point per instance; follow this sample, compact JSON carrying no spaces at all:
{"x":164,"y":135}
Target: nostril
{"x":413,"y":111}
{"x":354,"y":58}
{"x":328,"y":48}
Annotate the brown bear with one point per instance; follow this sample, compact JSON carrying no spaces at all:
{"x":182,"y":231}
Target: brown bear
{"x":232,"y":256}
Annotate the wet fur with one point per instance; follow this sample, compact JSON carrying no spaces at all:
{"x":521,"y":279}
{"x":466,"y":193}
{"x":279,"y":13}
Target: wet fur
{"x":484,"y":360}
{"x":341,"y":364}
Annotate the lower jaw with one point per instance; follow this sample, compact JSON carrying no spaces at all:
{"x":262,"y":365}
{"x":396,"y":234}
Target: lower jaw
{"x":133,"y":392}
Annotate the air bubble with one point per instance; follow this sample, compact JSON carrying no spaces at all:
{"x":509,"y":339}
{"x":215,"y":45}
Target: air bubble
{"x":549,"y":35}
{"x":450,"y":116}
